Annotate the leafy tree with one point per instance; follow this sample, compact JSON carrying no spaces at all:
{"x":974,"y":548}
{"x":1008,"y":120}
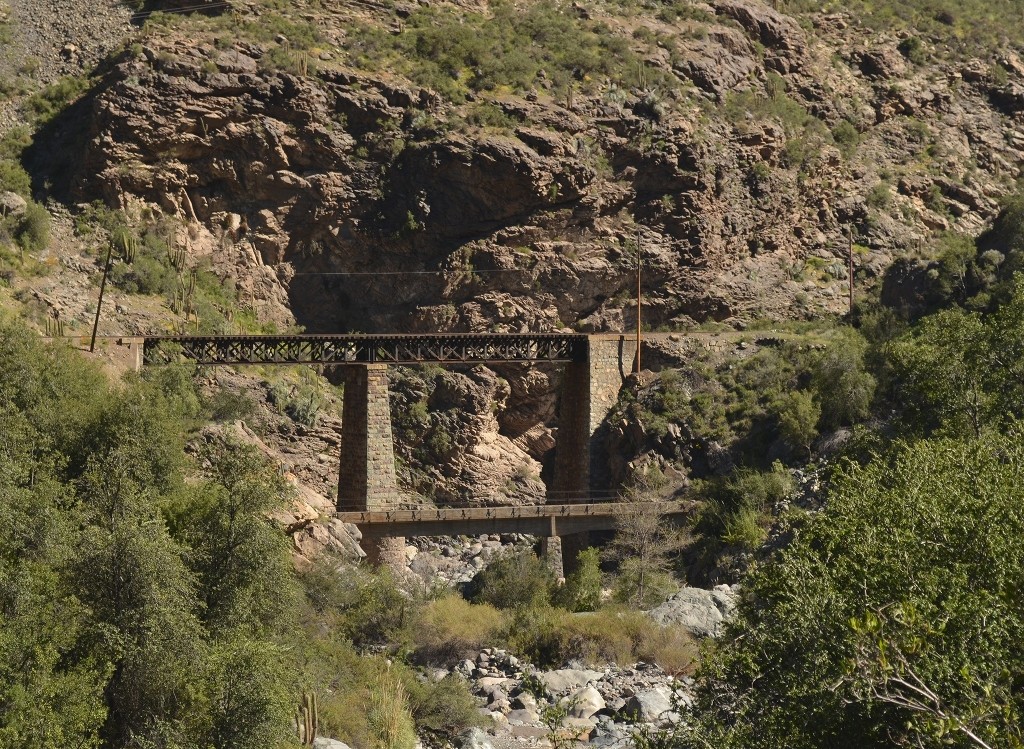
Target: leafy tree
{"x":909,"y":576}
{"x":141,"y":596}
{"x":249,"y":705}
{"x":642,"y":545}
{"x":50,"y":695}
{"x":239,"y":559}
{"x":798,"y":413}
{"x":958,"y":372}
{"x":582,"y":589}
{"x":843,"y":386}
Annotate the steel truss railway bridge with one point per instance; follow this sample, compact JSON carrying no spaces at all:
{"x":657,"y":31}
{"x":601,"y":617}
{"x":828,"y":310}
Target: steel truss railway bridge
{"x":595,"y":368}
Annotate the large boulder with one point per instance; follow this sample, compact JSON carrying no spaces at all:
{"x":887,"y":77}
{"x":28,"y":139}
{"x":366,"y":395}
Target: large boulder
{"x":650,"y":706}
{"x":566,"y":679}
{"x":12,"y":204}
{"x":586,"y":702}
{"x":475,"y":738}
{"x":322,"y":742}
{"x":700,"y":612}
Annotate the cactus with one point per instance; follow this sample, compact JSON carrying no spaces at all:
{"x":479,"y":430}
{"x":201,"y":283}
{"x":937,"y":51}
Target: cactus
{"x":176,"y":257}
{"x":641,"y":76}
{"x":125,"y":244}
{"x":54,"y":325}
{"x":307,"y":718}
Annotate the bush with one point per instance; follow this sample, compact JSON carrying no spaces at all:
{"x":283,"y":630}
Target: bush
{"x":33,"y":232}
{"x":51,"y":101}
{"x":515,"y":580}
{"x":228,"y":405}
{"x":880,"y":196}
{"x":642,"y":588}
{"x":551,"y":638}
{"x":442,"y":709}
{"x":582,"y":588}
{"x":911,"y":572}
{"x":365,"y":606}
{"x":846,"y":137}
{"x":843,"y":386}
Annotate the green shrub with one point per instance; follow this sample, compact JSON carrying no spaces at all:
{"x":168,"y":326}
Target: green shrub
{"x":846,"y":137}
{"x":365,"y":606}
{"x":33,"y":232}
{"x":442,"y":709}
{"x":798,"y":413}
{"x":551,"y":638}
{"x":515,"y":580}
{"x":229,"y":405}
{"x":43,"y":106}
{"x":880,"y":196}
{"x":844,"y":388}
{"x":913,"y":49}
{"x":908,"y":579}
{"x":743,"y":529}
{"x":451,"y":51}
{"x":642,"y":587}
{"x":582,"y":588}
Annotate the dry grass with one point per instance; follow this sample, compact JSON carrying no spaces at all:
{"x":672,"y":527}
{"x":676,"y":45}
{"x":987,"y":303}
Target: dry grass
{"x":450,"y":629}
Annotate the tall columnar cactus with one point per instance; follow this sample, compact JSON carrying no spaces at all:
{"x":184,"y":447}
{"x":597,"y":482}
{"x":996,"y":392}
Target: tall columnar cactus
{"x":307,"y":718}
{"x":176,"y":256}
{"x":125,"y":244}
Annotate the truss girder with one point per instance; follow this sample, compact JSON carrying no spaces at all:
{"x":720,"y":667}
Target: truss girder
{"x":455,"y":348}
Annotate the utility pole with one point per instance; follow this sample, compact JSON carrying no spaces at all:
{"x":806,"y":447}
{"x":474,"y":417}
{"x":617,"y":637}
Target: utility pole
{"x":639,"y":293}
{"x":850,"y":232}
{"x":99,"y":304}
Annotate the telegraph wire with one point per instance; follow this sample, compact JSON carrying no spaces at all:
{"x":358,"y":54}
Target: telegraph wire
{"x":142,"y":14}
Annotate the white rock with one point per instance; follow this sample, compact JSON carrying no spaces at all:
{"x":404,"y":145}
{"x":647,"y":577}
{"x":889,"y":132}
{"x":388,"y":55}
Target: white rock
{"x":701,"y":612}
{"x":322,"y":742}
{"x":650,"y":706}
{"x":475,"y":738}
{"x":565,"y":679}
{"x":586,"y":702}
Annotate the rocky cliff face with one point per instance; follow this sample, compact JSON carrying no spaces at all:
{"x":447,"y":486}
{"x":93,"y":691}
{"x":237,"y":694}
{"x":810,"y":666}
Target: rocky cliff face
{"x":377,"y":204}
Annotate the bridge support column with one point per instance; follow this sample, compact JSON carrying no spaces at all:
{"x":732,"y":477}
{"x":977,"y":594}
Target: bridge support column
{"x":366,"y":479}
{"x":551,"y":555}
{"x":385,"y":551}
{"x":561,"y":552}
{"x":590,"y":389}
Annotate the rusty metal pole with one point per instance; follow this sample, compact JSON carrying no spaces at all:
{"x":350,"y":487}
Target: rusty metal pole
{"x":99,"y":304}
{"x":851,"y":268}
{"x":639,"y":292}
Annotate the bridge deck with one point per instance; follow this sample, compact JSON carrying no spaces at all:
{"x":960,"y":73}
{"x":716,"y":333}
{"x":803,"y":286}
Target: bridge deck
{"x":548,"y":520}
{"x":355,"y":348}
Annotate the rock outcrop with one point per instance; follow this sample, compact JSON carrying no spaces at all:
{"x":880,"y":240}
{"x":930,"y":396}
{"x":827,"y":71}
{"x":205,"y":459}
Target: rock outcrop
{"x":702,"y":613}
{"x":533,"y":225}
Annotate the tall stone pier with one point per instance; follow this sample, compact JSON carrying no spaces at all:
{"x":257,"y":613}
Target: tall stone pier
{"x":366,"y":478}
{"x":590,"y":388}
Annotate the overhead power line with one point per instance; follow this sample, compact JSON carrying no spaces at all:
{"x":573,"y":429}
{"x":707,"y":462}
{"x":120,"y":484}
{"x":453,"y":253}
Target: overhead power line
{"x":187,"y":9}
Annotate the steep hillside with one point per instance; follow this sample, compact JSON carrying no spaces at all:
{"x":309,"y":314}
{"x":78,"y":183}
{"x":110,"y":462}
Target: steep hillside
{"x":513,"y":157}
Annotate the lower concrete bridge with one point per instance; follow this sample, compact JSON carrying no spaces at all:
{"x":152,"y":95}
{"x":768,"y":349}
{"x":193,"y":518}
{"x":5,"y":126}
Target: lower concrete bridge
{"x":595,"y":368}
{"x":563,"y":528}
